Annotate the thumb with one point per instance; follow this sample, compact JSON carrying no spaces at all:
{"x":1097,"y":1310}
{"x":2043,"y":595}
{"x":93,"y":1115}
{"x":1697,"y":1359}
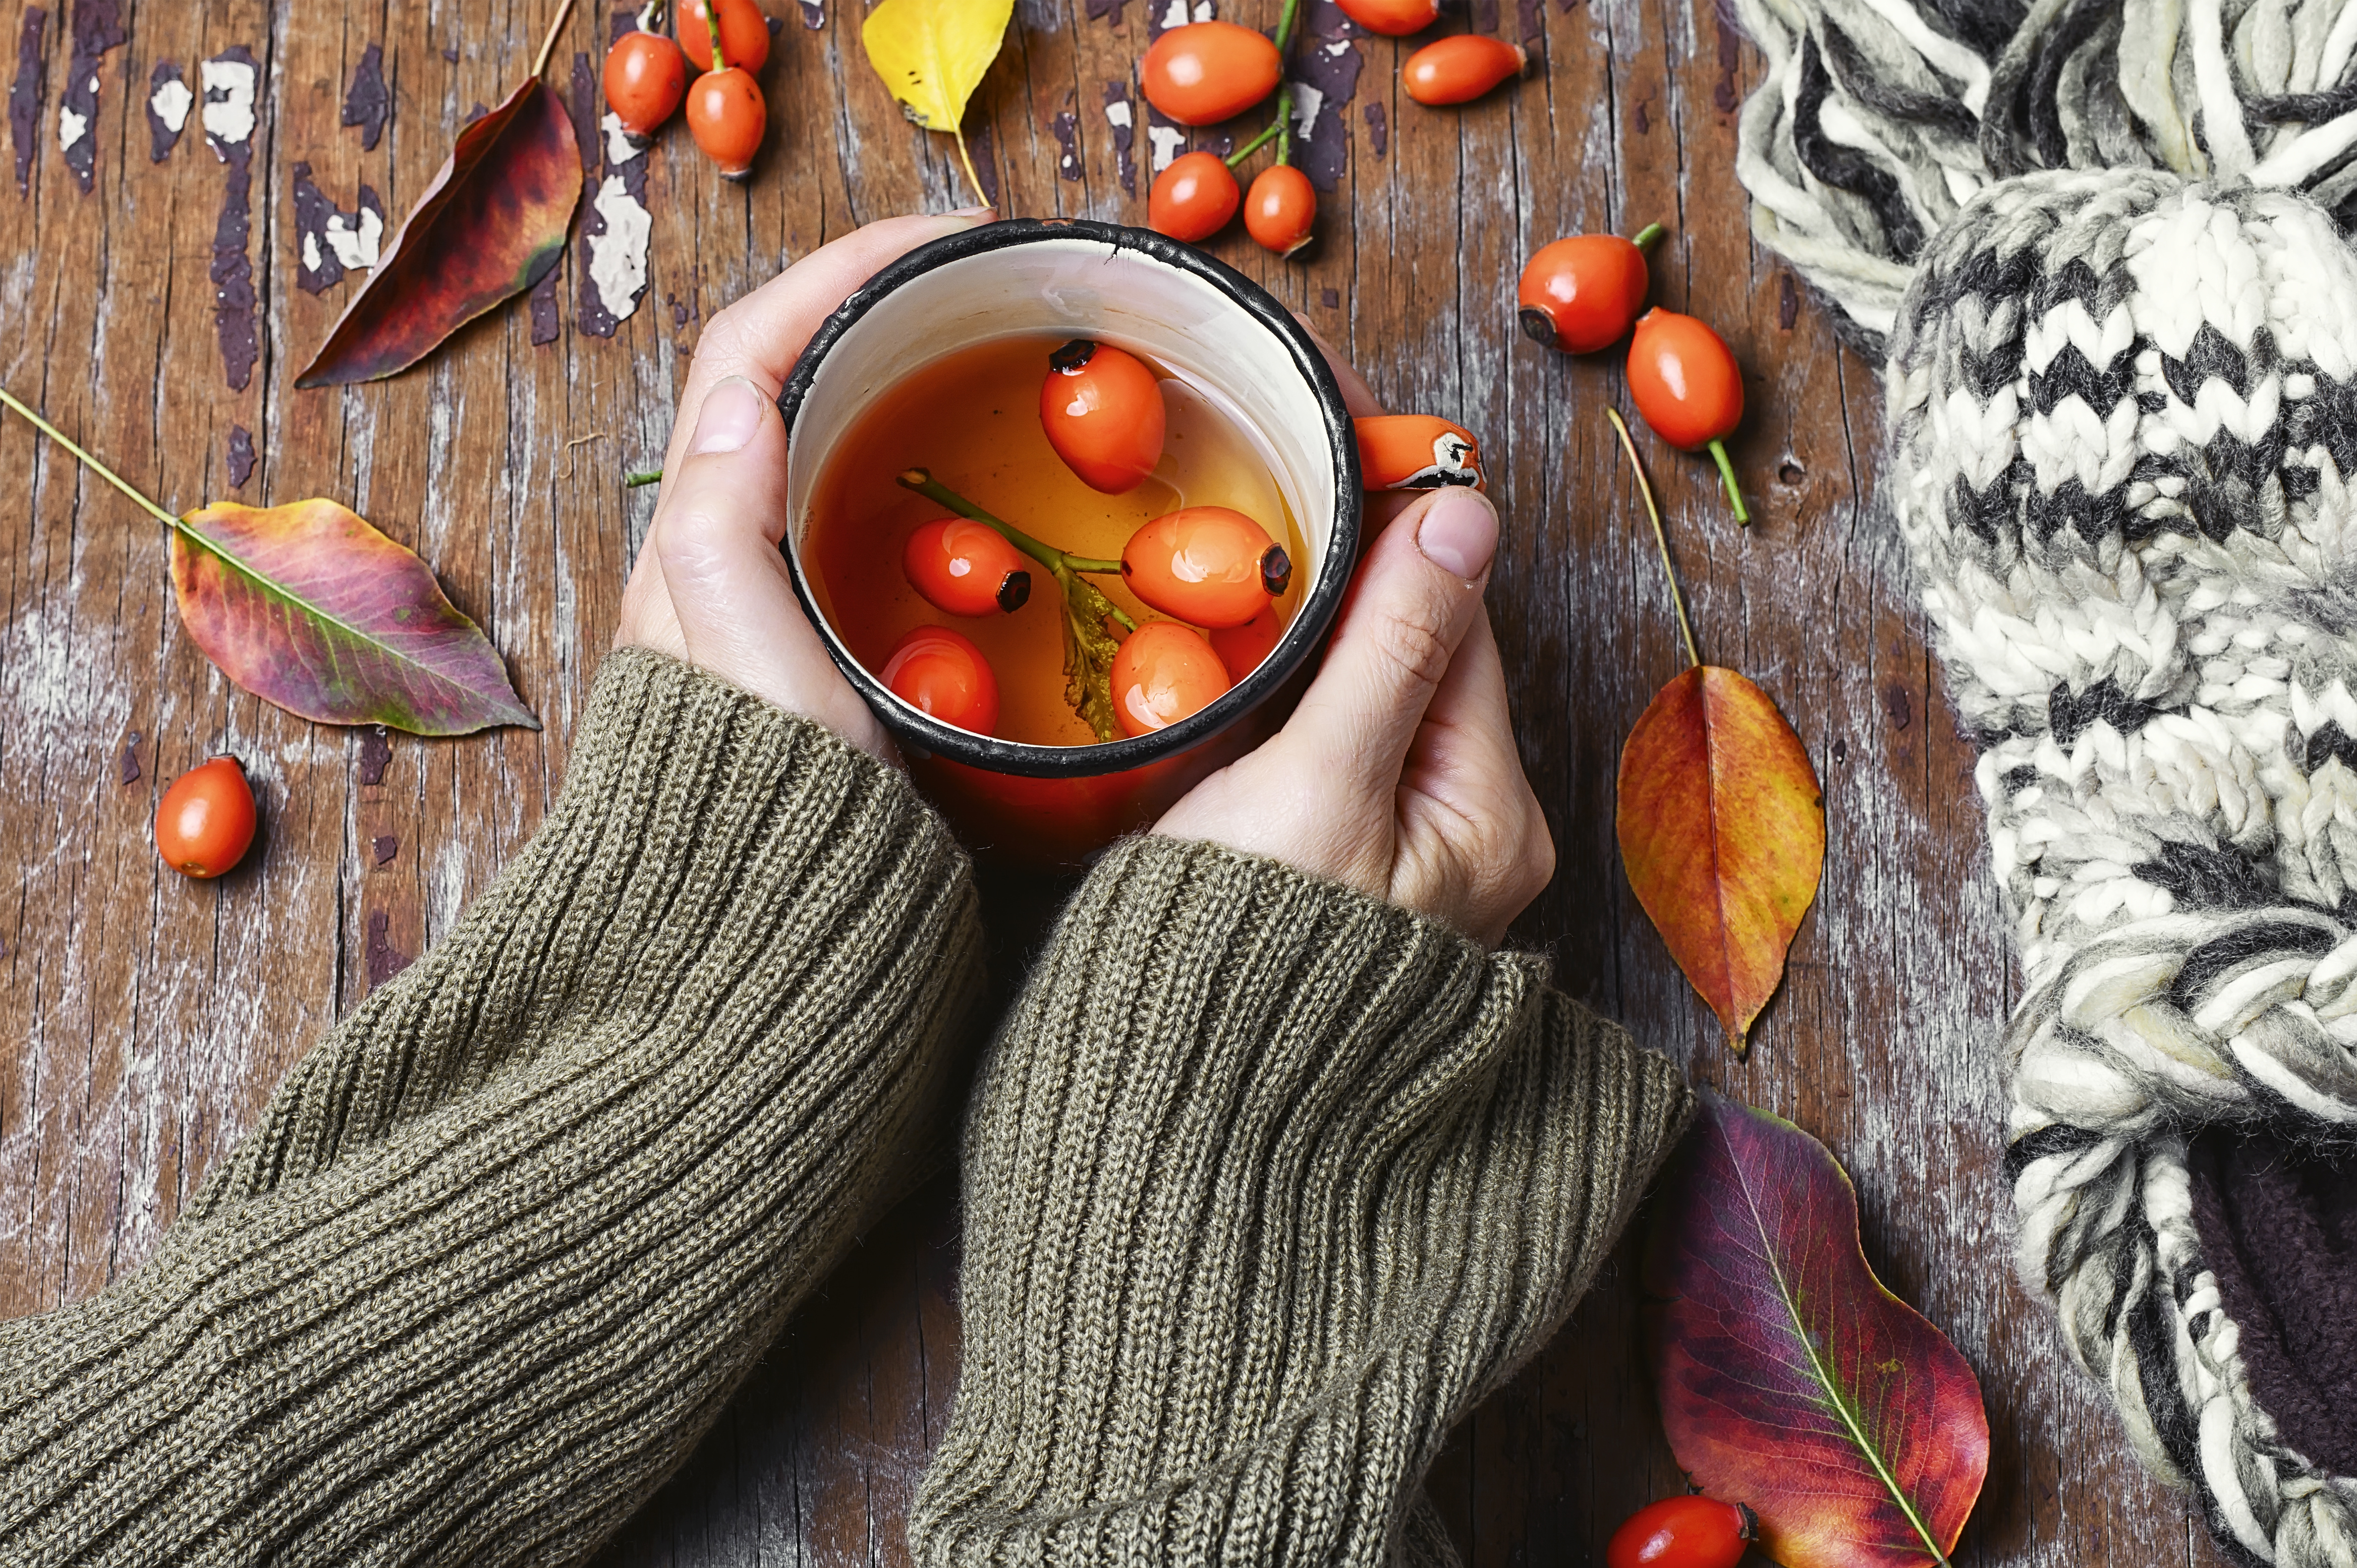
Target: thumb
{"x":1416,"y":594}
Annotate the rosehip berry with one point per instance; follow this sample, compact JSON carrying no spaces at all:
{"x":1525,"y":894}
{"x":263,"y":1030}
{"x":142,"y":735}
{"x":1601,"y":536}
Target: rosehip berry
{"x":1209,"y":565}
{"x":1459,"y":68}
{"x":645,"y":79}
{"x":966,"y":568}
{"x":1392,"y":18}
{"x":205,"y":822}
{"x":1193,"y":199}
{"x":1242,"y":647}
{"x":1417,"y":452}
{"x":744,"y":34}
{"x":1205,"y":72}
{"x":1683,"y":1533}
{"x":1164,"y":673}
{"x":938,"y":671}
{"x":1580,"y":294}
{"x":1103,"y":414}
{"x":1689,"y":388}
{"x":1280,"y":209}
{"x":725,"y":112}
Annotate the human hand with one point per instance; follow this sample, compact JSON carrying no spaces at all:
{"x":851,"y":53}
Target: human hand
{"x":711,"y":588}
{"x":1397,"y":775}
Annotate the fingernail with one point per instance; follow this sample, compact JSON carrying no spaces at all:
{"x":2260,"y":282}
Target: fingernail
{"x":733,"y":410}
{"x":974,"y":213}
{"x":1458,"y":533}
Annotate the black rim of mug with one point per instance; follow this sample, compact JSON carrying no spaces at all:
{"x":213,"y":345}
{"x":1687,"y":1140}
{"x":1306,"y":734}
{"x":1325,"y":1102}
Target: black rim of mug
{"x":923,"y":732}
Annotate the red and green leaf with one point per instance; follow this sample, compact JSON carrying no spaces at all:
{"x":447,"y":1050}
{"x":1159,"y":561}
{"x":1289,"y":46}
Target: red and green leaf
{"x":307,"y":606}
{"x":491,"y":225}
{"x":1790,"y":1380}
{"x":1722,"y":831}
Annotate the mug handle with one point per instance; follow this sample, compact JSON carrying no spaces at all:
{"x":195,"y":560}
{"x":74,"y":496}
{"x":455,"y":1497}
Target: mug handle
{"x":1417,"y":452}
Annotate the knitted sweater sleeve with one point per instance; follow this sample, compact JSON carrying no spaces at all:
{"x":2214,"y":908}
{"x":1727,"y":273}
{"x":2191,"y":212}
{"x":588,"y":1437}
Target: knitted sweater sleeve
{"x":1267,"y":1185}
{"x":505,"y":1240}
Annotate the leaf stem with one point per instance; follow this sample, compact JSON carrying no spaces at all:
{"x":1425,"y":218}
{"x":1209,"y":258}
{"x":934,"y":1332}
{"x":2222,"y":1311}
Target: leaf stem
{"x":101,"y":470}
{"x":1734,"y":490}
{"x":641,"y":480}
{"x":1645,"y":488}
{"x":965,"y":157}
{"x":1059,"y":563}
{"x":548,"y":44}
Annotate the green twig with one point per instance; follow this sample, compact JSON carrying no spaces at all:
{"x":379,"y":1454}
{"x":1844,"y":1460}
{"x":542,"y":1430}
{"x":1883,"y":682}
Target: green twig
{"x":101,"y":470}
{"x":1734,"y":490}
{"x":1646,"y":236}
{"x":1061,"y":565}
{"x":640,"y":480}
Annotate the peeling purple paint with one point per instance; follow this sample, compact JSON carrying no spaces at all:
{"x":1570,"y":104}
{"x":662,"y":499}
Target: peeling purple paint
{"x":1723,"y":96}
{"x":545,"y":327}
{"x":1066,"y":127}
{"x":1104,"y":10}
{"x":814,"y":15}
{"x":475,"y":113}
{"x":162,"y":134}
{"x":385,"y":959}
{"x":582,"y":99}
{"x":1328,"y":67}
{"x":1640,"y":121}
{"x":367,"y":104}
{"x":1485,"y":15}
{"x":385,"y":846}
{"x":1531,"y":15}
{"x":130,"y":764}
{"x":1327,"y":20}
{"x":590,"y":314}
{"x":1121,"y":117}
{"x":240,"y":459}
{"x":376,"y":752}
{"x":450,"y":53}
{"x":318,"y":265}
{"x":1379,"y":134}
{"x":97,"y":28}
{"x":1788,"y":302}
{"x":25,"y":94}
{"x":233,"y":270}
{"x":1331,"y":299}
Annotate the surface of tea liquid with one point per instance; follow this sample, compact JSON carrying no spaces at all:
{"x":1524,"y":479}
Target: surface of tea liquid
{"x":972,"y":419}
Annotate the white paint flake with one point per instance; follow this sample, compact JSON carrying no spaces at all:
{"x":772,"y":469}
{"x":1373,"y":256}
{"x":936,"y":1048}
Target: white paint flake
{"x":1117,"y":115}
{"x":310,"y":253}
{"x":618,"y":258}
{"x":71,"y":127}
{"x":230,"y":119}
{"x":1202,"y":10}
{"x":1175,"y":16}
{"x":620,"y":146}
{"x":171,"y":103}
{"x":1306,"y":101}
{"x":356,"y":245}
{"x":1166,"y":141}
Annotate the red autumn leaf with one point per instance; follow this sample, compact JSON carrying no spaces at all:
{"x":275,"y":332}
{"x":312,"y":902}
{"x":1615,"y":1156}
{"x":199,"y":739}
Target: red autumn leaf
{"x":490,"y":225}
{"x":1790,"y":1380}
{"x":307,"y":606}
{"x":1722,"y":831}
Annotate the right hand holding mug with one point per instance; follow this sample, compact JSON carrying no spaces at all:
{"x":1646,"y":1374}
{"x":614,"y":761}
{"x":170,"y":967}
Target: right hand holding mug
{"x":1397,"y":775}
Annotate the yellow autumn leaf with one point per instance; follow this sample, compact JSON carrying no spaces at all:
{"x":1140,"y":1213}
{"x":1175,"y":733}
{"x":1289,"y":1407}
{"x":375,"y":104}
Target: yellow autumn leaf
{"x":932,"y":55}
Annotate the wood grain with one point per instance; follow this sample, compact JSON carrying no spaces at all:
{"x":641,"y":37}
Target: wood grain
{"x":150,"y":1016}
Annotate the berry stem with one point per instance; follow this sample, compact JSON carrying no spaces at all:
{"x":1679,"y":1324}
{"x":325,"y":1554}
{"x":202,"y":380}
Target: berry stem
{"x":1645,"y":488}
{"x":1268,"y":134}
{"x":1063,"y":566}
{"x":1734,"y":490}
{"x":1646,"y":236}
{"x":1101,"y":568}
{"x":711,"y":24}
{"x":548,"y":44}
{"x":641,"y":480}
{"x":1279,"y":128}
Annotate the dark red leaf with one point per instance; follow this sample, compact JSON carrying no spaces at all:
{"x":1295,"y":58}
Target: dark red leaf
{"x":490,"y":226}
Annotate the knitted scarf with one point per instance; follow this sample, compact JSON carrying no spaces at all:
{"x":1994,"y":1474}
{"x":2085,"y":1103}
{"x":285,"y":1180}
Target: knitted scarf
{"x":2098,"y":242}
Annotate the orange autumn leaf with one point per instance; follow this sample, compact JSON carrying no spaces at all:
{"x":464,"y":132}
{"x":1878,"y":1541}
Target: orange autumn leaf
{"x":1722,"y":829}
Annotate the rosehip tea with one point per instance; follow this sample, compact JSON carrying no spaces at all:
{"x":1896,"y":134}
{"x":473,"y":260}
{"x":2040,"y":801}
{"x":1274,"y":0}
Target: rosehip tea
{"x":1056,"y":542}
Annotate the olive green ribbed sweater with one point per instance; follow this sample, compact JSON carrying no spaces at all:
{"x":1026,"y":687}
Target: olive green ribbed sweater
{"x":1266,"y":1184}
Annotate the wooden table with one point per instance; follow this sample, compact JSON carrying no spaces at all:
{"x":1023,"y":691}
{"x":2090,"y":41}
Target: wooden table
{"x":149,"y":1016}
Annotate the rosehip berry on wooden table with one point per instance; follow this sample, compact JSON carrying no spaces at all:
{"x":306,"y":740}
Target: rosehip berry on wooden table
{"x":1193,"y":199}
{"x":1582,"y":293}
{"x":645,"y":77}
{"x":1459,"y":68}
{"x":205,"y":822}
{"x":1683,"y":1533}
{"x":1280,"y":209}
{"x":1392,"y":18}
{"x":729,"y":118}
{"x":1103,"y":414}
{"x":1689,"y":388}
{"x":1204,"y":72}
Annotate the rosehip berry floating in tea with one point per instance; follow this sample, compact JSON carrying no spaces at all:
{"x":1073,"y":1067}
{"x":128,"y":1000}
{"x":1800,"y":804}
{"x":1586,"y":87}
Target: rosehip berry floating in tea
{"x":1205,"y":72}
{"x":938,"y":671}
{"x":645,"y":77}
{"x":1392,"y":18}
{"x":1689,"y":388}
{"x":1193,"y":199}
{"x":1683,"y":1533}
{"x":1460,"y":69}
{"x":1280,"y":209}
{"x":727,"y":116}
{"x":1209,"y":565}
{"x":966,"y":568}
{"x":744,"y":34}
{"x":205,"y":822}
{"x":1581,"y":293}
{"x":1164,"y":673}
{"x":1242,"y":647}
{"x":1104,"y":415}
{"x":1417,"y":452}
